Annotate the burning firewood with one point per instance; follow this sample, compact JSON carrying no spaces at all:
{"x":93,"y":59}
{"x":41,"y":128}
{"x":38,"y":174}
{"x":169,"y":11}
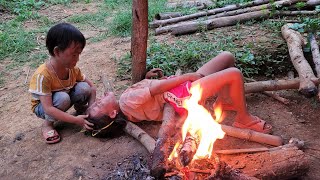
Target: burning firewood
{"x":188,"y":149}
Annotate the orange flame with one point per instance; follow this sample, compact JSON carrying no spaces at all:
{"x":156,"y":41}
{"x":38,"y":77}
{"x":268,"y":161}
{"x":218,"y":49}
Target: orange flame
{"x":201,"y":123}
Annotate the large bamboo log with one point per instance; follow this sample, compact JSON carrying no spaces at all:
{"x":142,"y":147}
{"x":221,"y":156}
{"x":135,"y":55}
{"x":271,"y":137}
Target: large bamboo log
{"x":206,"y":13}
{"x":295,"y":44}
{"x":285,"y":163}
{"x":252,"y":135}
{"x":274,"y":85}
{"x":315,"y":56}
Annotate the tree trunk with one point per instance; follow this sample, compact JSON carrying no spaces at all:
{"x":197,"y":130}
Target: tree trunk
{"x":295,"y":44}
{"x":139,"y":39}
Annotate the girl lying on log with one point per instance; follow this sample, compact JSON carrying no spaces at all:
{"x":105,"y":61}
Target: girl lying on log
{"x":145,"y":100}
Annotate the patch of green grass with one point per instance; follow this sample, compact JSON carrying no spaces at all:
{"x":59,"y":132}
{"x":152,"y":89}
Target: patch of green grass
{"x":96,"y":20}
{"x":15,"y":40}
{"x":121,"y":24}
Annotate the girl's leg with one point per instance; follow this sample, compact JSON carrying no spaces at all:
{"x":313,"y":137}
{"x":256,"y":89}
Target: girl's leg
{"x":222,"y":61}
{"x":230,"y":79}
{"x":233,"y":80}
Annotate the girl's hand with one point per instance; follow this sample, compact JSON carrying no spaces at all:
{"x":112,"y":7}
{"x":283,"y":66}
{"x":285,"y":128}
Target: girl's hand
{"x":156,"y":72}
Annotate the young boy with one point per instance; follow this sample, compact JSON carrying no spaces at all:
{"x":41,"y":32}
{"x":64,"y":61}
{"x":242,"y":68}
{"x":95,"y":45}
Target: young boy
{"x":145,"y":100}
{"x":58,"y":84}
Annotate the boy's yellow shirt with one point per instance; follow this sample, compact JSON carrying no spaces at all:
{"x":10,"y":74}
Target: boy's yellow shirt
{"x":44,"y":82}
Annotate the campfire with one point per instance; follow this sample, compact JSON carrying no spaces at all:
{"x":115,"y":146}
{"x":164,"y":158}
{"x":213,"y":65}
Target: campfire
{"x":198,"y":138}
{"x":188,"y":153}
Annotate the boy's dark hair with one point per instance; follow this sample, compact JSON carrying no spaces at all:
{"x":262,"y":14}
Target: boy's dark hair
{"x":104,"y":126}
{"x":62,"y":35}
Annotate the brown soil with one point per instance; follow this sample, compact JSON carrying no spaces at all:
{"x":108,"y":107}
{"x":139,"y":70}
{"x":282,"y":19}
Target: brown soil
{"x":24,"y":155}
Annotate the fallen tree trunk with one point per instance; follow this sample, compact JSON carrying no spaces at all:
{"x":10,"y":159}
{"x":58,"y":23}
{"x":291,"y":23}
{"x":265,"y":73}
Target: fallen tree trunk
{"x":295,"y":44}
{"x":285,"y":163}
{"x":193,"y":27}
{"x":296,"y":13}
{"x":206,"y":13}
{"x":277,"y":5}
{"x":315,"y":56}
{"x":274,"y":85}
{"x":167,"y":15}
{"x":309,"y":4}
{"x":186,"y":4}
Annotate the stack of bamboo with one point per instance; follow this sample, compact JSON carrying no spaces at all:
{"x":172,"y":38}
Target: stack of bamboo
{"x":231,"y":15}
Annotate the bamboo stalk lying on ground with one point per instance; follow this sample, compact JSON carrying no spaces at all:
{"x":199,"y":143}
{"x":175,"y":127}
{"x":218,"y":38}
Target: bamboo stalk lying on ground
{"x":272,"y":94}
{"x":274,"y":85}
{"x":252,"y":135}
{"x":293,"y":142}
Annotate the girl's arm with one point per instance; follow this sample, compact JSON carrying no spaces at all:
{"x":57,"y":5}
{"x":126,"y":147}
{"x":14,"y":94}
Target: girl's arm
{"x":167,"y":84}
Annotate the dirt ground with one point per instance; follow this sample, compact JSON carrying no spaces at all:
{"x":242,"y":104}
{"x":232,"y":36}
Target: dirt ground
{"x":24,"y":155}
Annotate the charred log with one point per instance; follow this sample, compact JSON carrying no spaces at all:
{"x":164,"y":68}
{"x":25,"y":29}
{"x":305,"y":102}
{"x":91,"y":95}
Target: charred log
{"x":189,"y":149}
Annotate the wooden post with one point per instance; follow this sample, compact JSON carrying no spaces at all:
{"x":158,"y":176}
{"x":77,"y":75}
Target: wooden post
{"x":139,"y":39}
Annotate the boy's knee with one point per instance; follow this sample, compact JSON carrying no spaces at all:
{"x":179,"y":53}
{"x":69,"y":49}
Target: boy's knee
{"x":61,"y":100}
{"x":81,"y":93}
{"x":83,"y":88}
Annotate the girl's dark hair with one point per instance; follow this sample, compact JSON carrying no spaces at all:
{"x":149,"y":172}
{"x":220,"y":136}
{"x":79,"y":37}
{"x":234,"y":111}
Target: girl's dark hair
{"x":62,"y":35}
{"x":115,"y":129}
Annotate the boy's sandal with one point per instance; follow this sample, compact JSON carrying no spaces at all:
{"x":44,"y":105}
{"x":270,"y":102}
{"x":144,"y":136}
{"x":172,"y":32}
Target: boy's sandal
{"x":51,"y":136}
{"x":258,"y":125}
